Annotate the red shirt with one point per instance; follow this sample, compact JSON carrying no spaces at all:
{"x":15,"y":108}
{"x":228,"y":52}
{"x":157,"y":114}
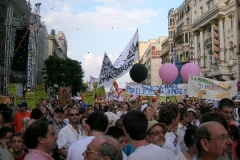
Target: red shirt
{"x":18,"y":120}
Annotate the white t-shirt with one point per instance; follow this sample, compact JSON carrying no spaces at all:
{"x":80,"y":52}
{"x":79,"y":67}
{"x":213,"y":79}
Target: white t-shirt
{"x":77,"y":148}
{"x":67,"y":135}
{"x":182,"y":157}
{"x":172,"y":143}
{"x":152,"y":152}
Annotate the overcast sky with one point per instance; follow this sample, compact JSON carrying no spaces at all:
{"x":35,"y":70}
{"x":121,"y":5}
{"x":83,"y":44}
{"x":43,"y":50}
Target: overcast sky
{"x":93,"y":27}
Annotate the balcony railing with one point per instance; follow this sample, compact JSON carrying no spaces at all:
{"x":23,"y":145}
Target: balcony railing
{"x":208,"y":41}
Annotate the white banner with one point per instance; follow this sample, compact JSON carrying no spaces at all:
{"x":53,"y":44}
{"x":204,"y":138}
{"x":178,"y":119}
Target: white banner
{"x":211,"y":89}
{"x":91,"y":81}
{"x":165,"y":90}
{"x":110,"y":72}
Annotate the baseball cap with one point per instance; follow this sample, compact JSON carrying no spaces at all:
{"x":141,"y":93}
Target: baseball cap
{"x":154,"y":123}
{"x":191,"y":110}
{"x":22,"y":104}
{"x":210,"y":101}
{"x":59,"y":109}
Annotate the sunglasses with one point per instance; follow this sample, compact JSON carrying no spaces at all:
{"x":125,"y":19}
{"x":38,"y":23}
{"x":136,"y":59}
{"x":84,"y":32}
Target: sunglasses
{"x":76,"y":114}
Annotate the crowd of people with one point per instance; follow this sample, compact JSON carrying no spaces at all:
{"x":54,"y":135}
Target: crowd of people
{"x":121,"y":130}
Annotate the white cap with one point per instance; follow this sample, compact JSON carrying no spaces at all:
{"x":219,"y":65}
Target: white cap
{"x":210,"y":101}
{"x":191,"y":110}
{"x":144,"y":106}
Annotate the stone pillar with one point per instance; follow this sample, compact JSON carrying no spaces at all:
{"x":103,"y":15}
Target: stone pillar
{"x":213,"y":22}
{"x":201,"y":48}
{"x":221,"y":37}
{"x":195,"y":33}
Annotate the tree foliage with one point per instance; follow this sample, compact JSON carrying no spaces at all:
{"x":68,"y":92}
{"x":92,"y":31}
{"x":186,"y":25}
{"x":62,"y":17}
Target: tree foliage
{"x":64,"y":72}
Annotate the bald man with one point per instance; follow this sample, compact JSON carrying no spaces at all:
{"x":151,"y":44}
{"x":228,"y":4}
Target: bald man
{"x":212,"y":140}
{"x":103,"y":147}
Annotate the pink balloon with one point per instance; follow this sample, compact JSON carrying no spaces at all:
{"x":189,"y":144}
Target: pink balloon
{"x":189,"y":68}
{"x":168,"y":72}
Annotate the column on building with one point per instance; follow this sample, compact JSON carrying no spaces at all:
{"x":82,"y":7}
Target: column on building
{"x":221,"y":37}
{"x":201,"y":48}
{"x":195,"y":34}
{"x":213,"y":22}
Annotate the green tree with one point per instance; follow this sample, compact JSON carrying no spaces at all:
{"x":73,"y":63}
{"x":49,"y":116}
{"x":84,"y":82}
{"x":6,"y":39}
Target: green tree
{"x":62,"y":72}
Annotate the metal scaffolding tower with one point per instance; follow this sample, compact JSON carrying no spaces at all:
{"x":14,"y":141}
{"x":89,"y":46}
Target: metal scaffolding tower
{"x":8,"y":48}
{"x":33,"y":48}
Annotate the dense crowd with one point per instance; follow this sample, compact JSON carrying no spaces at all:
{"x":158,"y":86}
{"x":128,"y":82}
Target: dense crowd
{"x":121,"y":130}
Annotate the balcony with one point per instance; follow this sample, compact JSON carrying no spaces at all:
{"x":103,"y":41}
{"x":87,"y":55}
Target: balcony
{"x":208,"y":42}
{"x":184,"y":60}
{"x":178,"y":38}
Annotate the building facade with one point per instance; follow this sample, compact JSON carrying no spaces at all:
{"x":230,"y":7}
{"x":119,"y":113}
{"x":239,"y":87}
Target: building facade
{"x":204,"y":32}
{"x":57,"y":44}
{"x":151,"y":58}
{"x":214,"y":26}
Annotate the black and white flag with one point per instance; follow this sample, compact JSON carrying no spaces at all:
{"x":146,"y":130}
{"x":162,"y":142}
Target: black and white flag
{"x":110,"y":72}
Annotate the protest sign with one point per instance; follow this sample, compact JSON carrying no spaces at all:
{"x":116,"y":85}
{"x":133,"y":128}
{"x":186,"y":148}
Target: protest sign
{"x":206,"y":88}
{"x":148,"y":90}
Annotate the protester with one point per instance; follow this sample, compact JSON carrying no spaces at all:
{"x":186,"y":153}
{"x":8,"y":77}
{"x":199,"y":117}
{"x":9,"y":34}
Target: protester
{"x":124,"y":108}
{"x":112,"y":118}
{"x":118,"y":134}
{"x":70,"y":133}
{"x":5,"y":154}
{"x":212,"y":141}
{"x":36,"y":114}
{"x":89,"y":110}
{"x":18,"y":145}
{"x":191,"y":152}
{"x":135,"y":126}
{"x":41,"y":139}
{"x":193,"y":117}
{"x":97,"y":107}
{"x":58,"y":124}
{"x":188,"y":102}
{"x":226,"y":108}
{"x":103,"y":147}
{"x":169,"y":115}
{"x":5,"y":136}
{"x":182,"y":126}
{"x":150,"y":110}
{"x":22,"y":113}
{"x":8,"y":116}
{"x":57,"y":119}
{"x":45,"y":111}
{"x":85,"y":126}
{"x":98,"y":124}
{"x":156,"y":133}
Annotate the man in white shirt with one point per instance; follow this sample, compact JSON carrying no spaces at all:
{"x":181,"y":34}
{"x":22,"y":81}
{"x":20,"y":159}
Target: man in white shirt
{"x":135,"y":125}
{"x":98,"y":123}
{"x":70,"y":133}
{"x":169,"y":115}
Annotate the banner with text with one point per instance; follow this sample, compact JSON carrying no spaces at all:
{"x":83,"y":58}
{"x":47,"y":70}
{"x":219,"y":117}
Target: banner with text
{"x":211,"y":89}
{"x":110,"y":72}
{"x":148,"y":90}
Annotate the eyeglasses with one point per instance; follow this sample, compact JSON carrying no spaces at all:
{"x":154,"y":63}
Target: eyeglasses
{"x":223,"y":137}
{"x":90,"y":151}
{"x":157,"y":133}
{"x":76,"y":114}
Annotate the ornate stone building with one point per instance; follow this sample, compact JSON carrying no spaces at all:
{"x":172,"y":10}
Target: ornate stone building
{"x":205,"y":32}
